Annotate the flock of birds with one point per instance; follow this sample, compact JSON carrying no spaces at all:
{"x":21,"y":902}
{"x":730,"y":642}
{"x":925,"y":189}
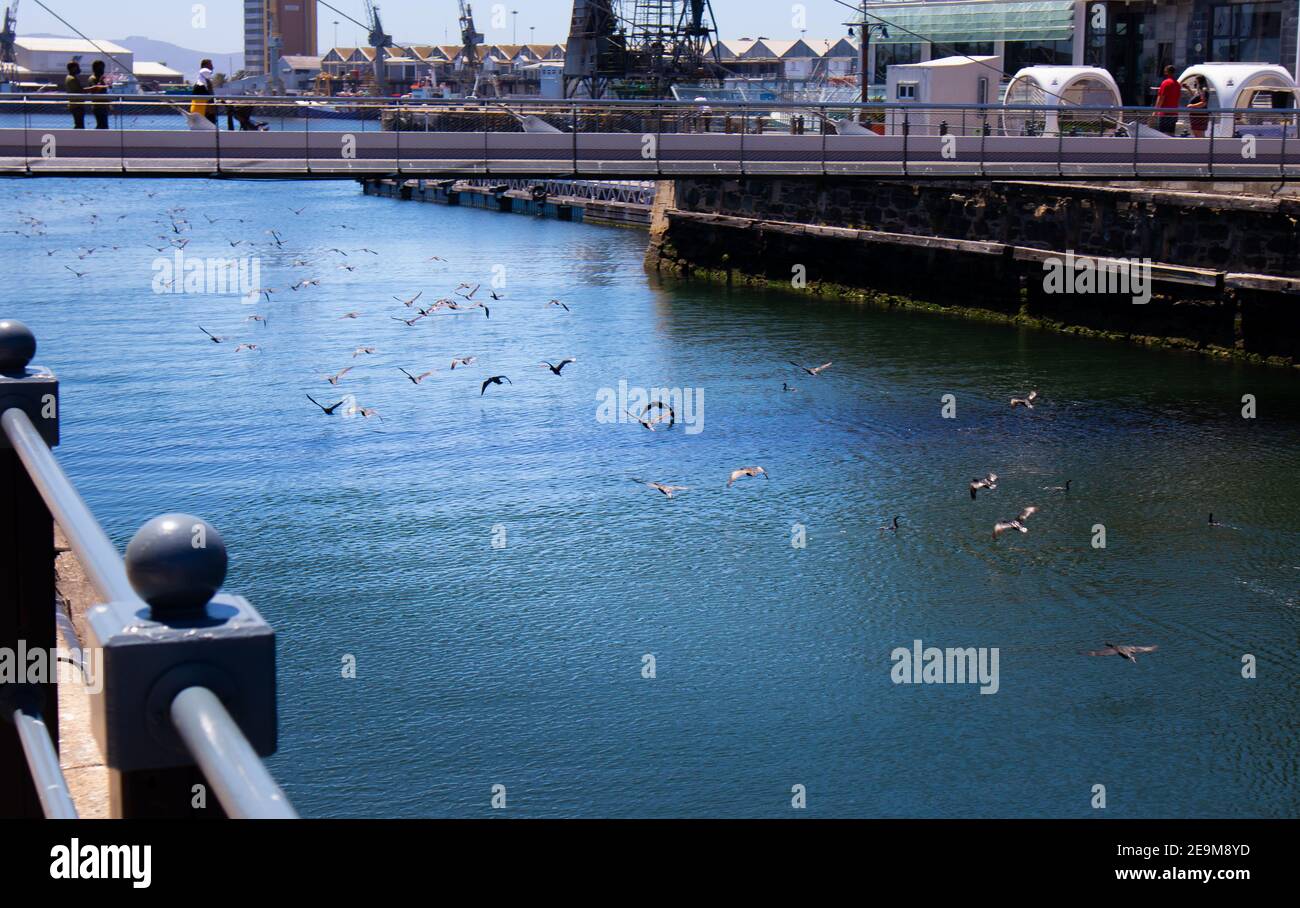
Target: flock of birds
{"x":463,"y":299}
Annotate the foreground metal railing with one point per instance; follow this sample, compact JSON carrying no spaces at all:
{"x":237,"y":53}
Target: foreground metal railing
{"x":359,"y":138}
{"x":184,"y":699}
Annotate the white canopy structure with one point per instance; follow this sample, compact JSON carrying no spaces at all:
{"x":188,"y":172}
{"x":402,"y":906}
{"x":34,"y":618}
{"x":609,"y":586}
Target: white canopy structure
{"x":1241,"y":86}
{"x":1062,"y":87}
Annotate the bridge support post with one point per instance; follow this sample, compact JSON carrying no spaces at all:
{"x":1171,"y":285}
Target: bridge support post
{"x":27,"y":624}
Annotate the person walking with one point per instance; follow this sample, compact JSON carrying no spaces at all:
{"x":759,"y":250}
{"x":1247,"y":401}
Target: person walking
{"x":99,"y":87}
{"x":1168,"y":98}
{"x":203,"y":86}
{"x":72,"y":86}
{"x":1200,"y":101}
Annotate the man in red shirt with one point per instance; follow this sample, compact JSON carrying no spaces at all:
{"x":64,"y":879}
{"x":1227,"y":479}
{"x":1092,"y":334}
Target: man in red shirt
{"x":1168,"y":98}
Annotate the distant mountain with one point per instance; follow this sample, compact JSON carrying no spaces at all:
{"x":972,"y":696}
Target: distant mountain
{"x":175,"y":56}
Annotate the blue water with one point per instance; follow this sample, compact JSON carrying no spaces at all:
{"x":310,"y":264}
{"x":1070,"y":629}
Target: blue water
{"x":522,"y":665}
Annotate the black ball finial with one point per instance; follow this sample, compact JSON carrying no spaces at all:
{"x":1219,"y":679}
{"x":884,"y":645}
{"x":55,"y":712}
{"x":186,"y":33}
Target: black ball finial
{"x":17,"y":346}
{"x":176,"y":562}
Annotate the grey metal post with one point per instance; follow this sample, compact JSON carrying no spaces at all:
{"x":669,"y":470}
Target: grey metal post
{"x":26,"y":557}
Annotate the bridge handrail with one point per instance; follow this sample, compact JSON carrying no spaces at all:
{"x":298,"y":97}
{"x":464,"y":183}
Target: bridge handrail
{"x":507,"y":105}
{"x":162,"y":592}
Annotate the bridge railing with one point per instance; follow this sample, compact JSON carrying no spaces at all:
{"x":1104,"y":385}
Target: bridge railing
{"x":180,"y":679}
{"x":170,"y":135}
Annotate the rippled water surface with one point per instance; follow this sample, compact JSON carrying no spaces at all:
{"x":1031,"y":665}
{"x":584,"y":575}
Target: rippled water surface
{"x":522,"y":665}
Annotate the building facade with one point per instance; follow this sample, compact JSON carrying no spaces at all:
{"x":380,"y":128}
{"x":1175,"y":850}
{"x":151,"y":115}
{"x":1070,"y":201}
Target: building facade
{"x":282,"y":27}
{"x":1133,"y":39}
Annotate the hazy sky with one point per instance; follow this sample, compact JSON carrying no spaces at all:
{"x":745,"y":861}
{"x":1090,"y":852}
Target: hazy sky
{"x":407,"y":20}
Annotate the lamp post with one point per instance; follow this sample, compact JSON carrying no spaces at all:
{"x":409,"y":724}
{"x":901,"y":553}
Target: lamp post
{"x":514,"y":35}
{"x":336,"y":32}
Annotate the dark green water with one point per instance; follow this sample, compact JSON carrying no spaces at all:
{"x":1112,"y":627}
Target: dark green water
{"x":522,"y":665}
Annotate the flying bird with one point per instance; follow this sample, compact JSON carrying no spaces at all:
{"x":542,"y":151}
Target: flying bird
{"x":667,"y":490}
{"x":328,"y":411}
{"x":362,"y":351}
{"x":560,"y":304}
{"x":1003,"y":526}
{"x":1123,"y":650}
{"x":558,"y":369}
{"x":1065,"y":488}
{"x":463,"y":361}
{"x":334,"y":379}
{"x":892,"y":527}
{"x":989,"y":482}
{"x":411,"y":302}
{"x":746,"y":471}
{"x":215,"y":338}
{"x":494,"y":380}
{"x":243,"y":347}
{"x":1027,"y":401}
{"x":811,"y":371}
{"x":415,"y":379}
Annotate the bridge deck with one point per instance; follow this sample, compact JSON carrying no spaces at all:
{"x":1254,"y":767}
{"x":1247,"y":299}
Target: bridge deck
{"x":351,"y":155}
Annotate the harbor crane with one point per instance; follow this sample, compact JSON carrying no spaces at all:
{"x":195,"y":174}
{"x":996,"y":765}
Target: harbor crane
{"x":379,"y":40}
{"x":470,"y":38}
{"x":9,"y":33}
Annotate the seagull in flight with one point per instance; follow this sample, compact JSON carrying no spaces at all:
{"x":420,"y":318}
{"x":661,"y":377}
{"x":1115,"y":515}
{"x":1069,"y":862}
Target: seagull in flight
{"x":558,"y":369}
{"x":1065,"y":488}
{"x":892,"y":527}
{"x":334,"y":379}
{"x":1123,"y":650}
{"x":1027,"y":401}
{"x":243,"y":347}
{"x":415,"y":379}
{"x":494,"y":380}
{"x":360,"y":351}
{"x":665,"y":412}
{"x":989,"y":482}
{"x":463,"y":361}
{"x":811,"y":371}
{"x":1003,"y":526}
{"x":667,"y":490}
{"x":215,"y":338}
{"x":411,"y":302}
{"x":746,"y":471}
{"x":560,"y":304}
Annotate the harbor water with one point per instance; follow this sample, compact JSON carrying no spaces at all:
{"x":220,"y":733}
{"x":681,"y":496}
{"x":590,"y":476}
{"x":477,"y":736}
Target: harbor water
{"x":521,"y":612}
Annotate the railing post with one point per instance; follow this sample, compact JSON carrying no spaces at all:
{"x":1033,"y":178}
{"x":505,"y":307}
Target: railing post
{"x":176,"y":563}
{"x":1211,"y":161}
{"x":26,"y":564}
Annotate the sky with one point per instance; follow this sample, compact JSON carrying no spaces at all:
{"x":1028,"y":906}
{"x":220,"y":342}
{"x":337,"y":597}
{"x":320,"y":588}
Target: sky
{"x":217,"y":25}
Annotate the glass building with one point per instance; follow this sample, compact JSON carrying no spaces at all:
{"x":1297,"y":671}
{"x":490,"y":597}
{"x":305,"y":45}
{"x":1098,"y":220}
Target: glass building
{"x":1133,"y":40}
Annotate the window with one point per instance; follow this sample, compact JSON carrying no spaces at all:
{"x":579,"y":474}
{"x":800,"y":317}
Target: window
{"x":1020,"y":54}
{"x":891,"y":54}
{"x":963,"y":49}
{"x":906,"y":91}
{"x":1246,"y":33}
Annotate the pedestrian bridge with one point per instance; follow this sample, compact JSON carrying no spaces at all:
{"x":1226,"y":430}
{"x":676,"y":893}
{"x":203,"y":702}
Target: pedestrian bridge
{"x":630,"y":140}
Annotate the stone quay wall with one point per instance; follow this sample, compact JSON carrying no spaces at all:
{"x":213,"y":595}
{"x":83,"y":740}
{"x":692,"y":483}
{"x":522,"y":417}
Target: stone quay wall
{"x":1225,"y":269}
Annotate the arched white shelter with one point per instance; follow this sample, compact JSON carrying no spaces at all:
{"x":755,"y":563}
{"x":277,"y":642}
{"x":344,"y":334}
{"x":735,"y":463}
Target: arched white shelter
{"x":1063,"y":87}
{"x":1254,"y":86}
